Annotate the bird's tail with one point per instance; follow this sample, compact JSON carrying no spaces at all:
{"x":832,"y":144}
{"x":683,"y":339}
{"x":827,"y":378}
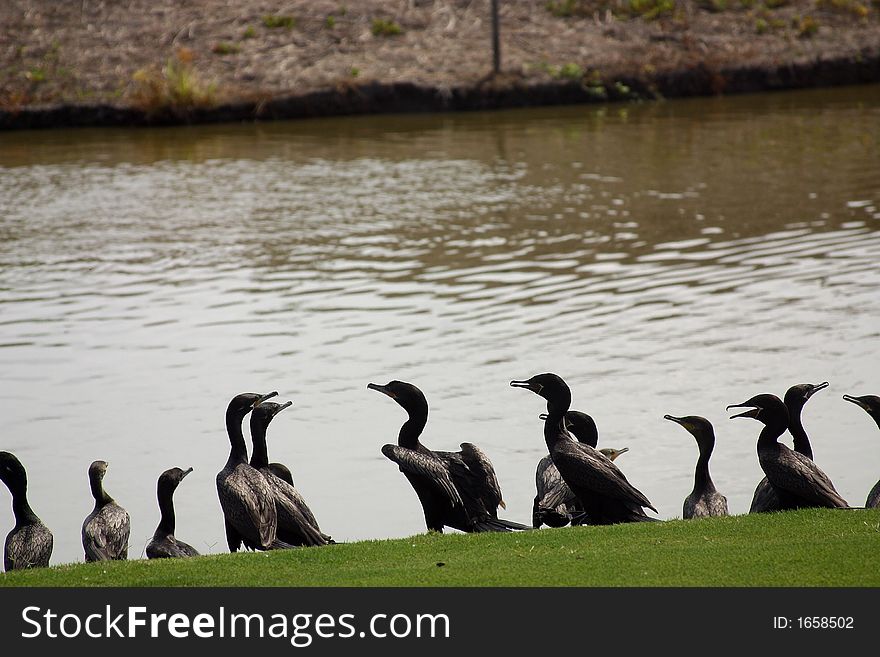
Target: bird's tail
{"x":549,"y":517}
{"x":498,"y":525}
{"x":281,"y":545}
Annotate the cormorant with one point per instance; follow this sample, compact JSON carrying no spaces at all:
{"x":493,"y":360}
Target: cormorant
{"x":163,"y":543}
{"x":245,"y":495}
{"x":555,"y":505}
{"x":296,"y":522}
{"x":765,"y":498}
{"x":796,"y":478}
{"x":29,"y":544}
{"x":606,"y":495}
{"x":871,"y":405}
{"x":282,"y":472}
{"x":704,"y":501}
{"x":456,"y":489}
{"x":106,"y":529}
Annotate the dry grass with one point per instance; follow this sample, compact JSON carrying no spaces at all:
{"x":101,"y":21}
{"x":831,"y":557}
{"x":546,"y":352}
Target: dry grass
{"x":315,"y":44}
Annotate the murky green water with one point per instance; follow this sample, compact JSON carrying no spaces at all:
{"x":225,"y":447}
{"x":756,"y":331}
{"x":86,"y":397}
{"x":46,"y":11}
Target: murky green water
{"x":665,"y":258}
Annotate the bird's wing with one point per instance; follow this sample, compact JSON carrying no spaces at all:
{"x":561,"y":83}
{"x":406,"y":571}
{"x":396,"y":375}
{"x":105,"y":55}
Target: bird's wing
{"x":105,"y":533}
{"x":293,"y":513}
{"x":552,"y":491}
{"x":479,"y":464}
{"x":427,"y":466}
{"x":249,"y":506}
{"x":799,"y":475}
{"x":29,"y":546}
{"x":581,"y":466}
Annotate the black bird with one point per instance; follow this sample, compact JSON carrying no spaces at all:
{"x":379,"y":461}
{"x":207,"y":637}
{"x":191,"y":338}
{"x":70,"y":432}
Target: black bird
{"x":245,"y":495}
{"x":282,"y":472}
{"x":705,"y":500}
{"x":766,"y":498}
{"x":456,"y":489}
{"x":871,"y":405}
{"x":555,"y":505}
{"x":796,"y":478}
{"x":106,"y":529}
{"x":296,"y":522}
{"x":29,"y":544}
{"x":606,"y":495}
{"x":163,"y":543}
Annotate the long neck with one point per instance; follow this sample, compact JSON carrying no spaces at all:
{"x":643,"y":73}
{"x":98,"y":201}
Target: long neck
{"x":98,"y":492}
{"x":260,"y":457}
{"x":238,"y":450}
{"x":796,"y":428}
{"x":769,"y":435}
{"x":22,"y":511}
{"x":553,"y":431}
{"x":412,"y":428}
{"x":166,"y":507}
{"x":702,"y":480}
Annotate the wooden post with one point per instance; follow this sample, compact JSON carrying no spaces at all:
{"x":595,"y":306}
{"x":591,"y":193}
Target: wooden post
{"x":496,"y":42}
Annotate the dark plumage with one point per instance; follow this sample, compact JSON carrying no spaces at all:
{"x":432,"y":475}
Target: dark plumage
{"x":555,"y":505}
{"x":871,"y":405}
{"x":797,"y":480}
{"x":456,"y":489}
{"x":29,"y":544}
{"x":606,"y":495}
{"x":106,"y":529}
{"x":296,"y":522}
{"x":766,"y":498}
{"x":245,"y":495}
{"x":164,"y":544}
{"x":282,"y":472}
{"x":704,"y":500}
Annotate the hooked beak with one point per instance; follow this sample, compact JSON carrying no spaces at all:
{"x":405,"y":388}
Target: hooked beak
{"x":816,"y":388}
{"x":282,"y":407}
{"x":542,"y":416}
{"x":383,"y":389}
{"x":528,"y":385}
{"x":855,"y":400}
{"x":264,"y":398}
{"x":677,"y":420}
{"x":753,"y":411}
{"x":185,"y":472}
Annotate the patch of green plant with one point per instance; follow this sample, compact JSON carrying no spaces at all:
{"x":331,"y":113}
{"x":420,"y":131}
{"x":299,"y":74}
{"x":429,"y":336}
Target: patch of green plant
{"x":249,"y":32}
{"x":224,"y":48}
{"x":36,"y":74}
{"x":809,"y":547}
{"x":714,"y":6}
{"x":354,"y":72}
{"x":564,"y":8}
{"x":330,"y":22}
{"x":853,"y":7}
{"x":277,"y":20}
{"x":648,"y":9}
{"x":775,"y":4}
{"x":805,"y":27}
{"x":761,"y":26}
{"x":384,"y":27}
{"x":176,"y":86}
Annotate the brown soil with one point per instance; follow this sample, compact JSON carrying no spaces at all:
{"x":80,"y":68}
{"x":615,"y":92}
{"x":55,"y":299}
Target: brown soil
{"x":106,"y":61}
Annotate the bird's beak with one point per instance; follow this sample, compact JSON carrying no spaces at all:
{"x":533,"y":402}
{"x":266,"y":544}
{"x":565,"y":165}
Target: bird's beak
{"x":282,"y":407}
{"x":265,"y":397}
{"x":542,"y":416}
{"x":816,"y":388}
{"x":186,"y":472}
{"x":383,"y":389}
{"x":677,"y":420}
{"x":528,"y":385}
{"x":855,"y":400}
{"x":753,"y":412}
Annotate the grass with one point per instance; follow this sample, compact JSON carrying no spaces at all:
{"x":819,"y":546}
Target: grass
{"x":276,"y":21}
{"x":386,"y":28}
{"x":177,"y":85}
{"x":813,"y":547}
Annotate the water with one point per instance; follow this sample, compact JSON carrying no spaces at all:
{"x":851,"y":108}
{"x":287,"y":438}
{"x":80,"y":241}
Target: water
{"x":662,"y":258}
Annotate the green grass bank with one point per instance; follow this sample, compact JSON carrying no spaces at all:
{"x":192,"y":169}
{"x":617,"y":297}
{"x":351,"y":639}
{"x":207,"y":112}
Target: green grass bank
{"x":806,"y":548}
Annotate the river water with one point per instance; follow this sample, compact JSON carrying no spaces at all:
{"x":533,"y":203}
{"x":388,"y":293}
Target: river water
{"x":671,"y":257}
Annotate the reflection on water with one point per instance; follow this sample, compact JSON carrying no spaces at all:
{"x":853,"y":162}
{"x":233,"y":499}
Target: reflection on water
{"x":666,"y":258}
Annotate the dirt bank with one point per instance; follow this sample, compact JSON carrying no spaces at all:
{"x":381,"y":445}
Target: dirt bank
{"x":102,"y":62}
